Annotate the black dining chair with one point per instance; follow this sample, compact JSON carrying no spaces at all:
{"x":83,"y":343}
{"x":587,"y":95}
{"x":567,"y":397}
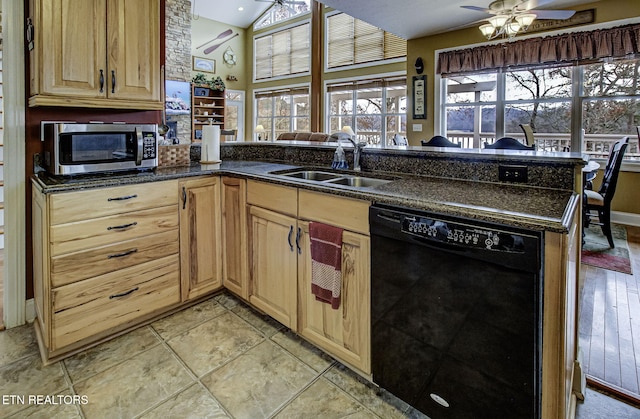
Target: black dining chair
{"x":439,"y":141}
{"x":601,"y":201}
{"x":508,"y":143}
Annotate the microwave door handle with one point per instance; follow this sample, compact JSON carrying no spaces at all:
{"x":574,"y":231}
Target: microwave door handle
{"x":140,"y":147}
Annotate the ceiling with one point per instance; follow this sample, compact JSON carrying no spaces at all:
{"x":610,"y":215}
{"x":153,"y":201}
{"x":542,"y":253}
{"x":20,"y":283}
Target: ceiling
{"x":226,"y":11}
{"x":408,"y":19}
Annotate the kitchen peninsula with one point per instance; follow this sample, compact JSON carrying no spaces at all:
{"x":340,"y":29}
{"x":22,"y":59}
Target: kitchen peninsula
{"x":159,"y":264}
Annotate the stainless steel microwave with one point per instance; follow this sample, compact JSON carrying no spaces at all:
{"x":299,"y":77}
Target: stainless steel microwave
{"x":72,"y":148}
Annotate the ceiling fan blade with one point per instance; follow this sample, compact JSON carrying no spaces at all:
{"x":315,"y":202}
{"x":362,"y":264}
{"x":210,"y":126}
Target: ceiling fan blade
{"x":478,"y":9}
{"x":532,"y":4}
{"x":553,"y":14}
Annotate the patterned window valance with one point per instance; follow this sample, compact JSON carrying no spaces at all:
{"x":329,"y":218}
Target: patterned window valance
{"x":567,"y":49}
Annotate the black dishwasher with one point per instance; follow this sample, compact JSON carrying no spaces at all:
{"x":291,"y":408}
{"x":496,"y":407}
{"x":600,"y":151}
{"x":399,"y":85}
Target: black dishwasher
{"x":456,"y":314}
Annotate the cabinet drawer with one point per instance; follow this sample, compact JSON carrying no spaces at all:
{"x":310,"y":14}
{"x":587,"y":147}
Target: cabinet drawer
{"x":350,"y":214}
{"x":105,"y":302}
{"x":82,"y":235}
{"x":101,"y":202}
{"x":73,"y":267}
{"x":282,"y":199}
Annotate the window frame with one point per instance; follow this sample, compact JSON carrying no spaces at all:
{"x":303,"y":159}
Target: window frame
{"x":576,"y":100}
{"x":354,"y":115}
{"x":271,"y":11}
{"x":270,"y":33}
{"x":271,"y":132}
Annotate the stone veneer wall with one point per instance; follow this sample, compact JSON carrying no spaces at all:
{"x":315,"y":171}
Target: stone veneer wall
{"x":178,"y":54}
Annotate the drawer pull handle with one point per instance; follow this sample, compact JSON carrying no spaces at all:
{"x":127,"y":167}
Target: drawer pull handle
{"x":119,"y":255}
{"x":124,"y":293}
{"x":123,"y":198}
{"x":298,"y":234}
{"x":122,"y":227}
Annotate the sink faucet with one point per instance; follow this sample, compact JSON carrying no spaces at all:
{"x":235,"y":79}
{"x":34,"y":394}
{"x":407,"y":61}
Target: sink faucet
{"x":357,"y":148}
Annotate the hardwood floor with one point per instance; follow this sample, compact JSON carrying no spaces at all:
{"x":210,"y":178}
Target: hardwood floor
{"x":609,"y":327}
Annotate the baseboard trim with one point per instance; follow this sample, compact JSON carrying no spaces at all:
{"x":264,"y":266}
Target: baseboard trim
{"x":627,"y":218}
{"x":30,"y":310}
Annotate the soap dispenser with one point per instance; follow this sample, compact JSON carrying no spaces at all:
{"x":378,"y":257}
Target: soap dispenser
{"x":339,"y":159}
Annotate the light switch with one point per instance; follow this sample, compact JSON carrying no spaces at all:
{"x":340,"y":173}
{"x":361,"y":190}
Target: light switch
{"x":417,"y":127}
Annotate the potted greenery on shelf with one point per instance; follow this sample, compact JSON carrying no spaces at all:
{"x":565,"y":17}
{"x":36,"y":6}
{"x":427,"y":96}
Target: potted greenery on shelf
{"x":215,"y":83}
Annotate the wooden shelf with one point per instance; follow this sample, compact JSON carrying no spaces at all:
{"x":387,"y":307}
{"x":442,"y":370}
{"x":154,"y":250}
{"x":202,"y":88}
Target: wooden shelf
{"x":204,"y":99}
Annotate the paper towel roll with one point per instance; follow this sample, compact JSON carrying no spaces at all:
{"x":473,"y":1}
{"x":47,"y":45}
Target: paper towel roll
{"x":210,"y":144}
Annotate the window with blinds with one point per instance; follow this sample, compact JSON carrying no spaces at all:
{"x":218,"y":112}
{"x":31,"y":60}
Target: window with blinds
{"x":283,"y":53}
{"x":375,"y":109}
{"x":285,"y":109}
{"x":351,"y":41}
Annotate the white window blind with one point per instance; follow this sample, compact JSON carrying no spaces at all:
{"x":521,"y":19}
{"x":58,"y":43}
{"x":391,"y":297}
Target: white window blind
{"x":351,"y":41}
{"x":283,"y":53}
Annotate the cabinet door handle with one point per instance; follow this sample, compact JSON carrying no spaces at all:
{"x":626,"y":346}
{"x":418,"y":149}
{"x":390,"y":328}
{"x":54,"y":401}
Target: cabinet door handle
{"x":119,"y":255}
{"x":184,"y":197}
{"x":122,"y":227}
{"x":123,"y":294}
{"x":123,"y":198}
{"x":289,"y":238}
{"x":113,"y":81}
{"x":101,"y":80}
{"x":298,"y":234}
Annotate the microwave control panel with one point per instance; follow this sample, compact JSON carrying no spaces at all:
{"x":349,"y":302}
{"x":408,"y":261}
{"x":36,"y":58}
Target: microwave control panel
{"x":149,"y":146}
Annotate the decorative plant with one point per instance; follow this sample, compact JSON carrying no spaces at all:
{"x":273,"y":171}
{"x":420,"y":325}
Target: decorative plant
{"x":200,"y":79}
{"x":215,"y":83}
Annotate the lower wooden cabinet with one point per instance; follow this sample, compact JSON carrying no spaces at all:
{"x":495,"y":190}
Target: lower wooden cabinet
{"x":104,"y":260}
{"x":274,"y":275}
{"x":98,"y":304}
{"x":344,"y":332}
{"x":200,"y":236}
{"x":280,"y":268}
{"x":235,"y":275}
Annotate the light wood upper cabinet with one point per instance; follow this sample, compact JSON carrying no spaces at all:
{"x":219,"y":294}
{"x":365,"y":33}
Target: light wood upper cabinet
{"x":200,"y":238}
{"x":96,"y":53}
{"x":234,"y":236}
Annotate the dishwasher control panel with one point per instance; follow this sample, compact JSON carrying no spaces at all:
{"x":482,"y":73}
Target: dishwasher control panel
{"x":460,"y":234}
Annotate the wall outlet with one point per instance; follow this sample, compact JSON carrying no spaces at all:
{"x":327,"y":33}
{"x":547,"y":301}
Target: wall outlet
{"x":512,"y":173}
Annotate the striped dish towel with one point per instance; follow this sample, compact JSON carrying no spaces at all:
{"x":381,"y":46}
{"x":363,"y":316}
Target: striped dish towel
{"x":326,"y":263}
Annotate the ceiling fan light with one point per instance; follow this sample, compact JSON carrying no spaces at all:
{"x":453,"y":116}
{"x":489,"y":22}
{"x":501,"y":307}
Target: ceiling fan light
{"x":498,"y":21}
{"x":487,"y":29}
{"x":525,"y":19}
{"x":512,"y":28}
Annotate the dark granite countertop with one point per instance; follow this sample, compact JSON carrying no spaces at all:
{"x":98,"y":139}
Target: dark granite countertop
{"x":521,"y":206}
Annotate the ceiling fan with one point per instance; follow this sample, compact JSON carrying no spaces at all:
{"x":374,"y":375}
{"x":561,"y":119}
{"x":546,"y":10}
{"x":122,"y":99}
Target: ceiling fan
{"x":510,"y":17}
{"x":285,"y":2}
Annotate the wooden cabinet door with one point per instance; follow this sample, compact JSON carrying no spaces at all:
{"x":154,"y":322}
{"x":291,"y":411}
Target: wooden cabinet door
{"x":234,"y":236}
{"x":200,"y":238}
{"x":343,"y":332}
{"x":273,"y":270}
{"x":133,"y":45}
{"x":71,"y":48}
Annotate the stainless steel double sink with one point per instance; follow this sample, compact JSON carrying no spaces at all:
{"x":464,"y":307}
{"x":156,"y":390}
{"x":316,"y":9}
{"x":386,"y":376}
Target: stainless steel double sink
{"x":335,"y":178}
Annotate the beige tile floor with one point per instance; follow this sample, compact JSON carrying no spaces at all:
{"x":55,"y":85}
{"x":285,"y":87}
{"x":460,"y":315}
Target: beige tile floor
{"x":218,"y":359}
